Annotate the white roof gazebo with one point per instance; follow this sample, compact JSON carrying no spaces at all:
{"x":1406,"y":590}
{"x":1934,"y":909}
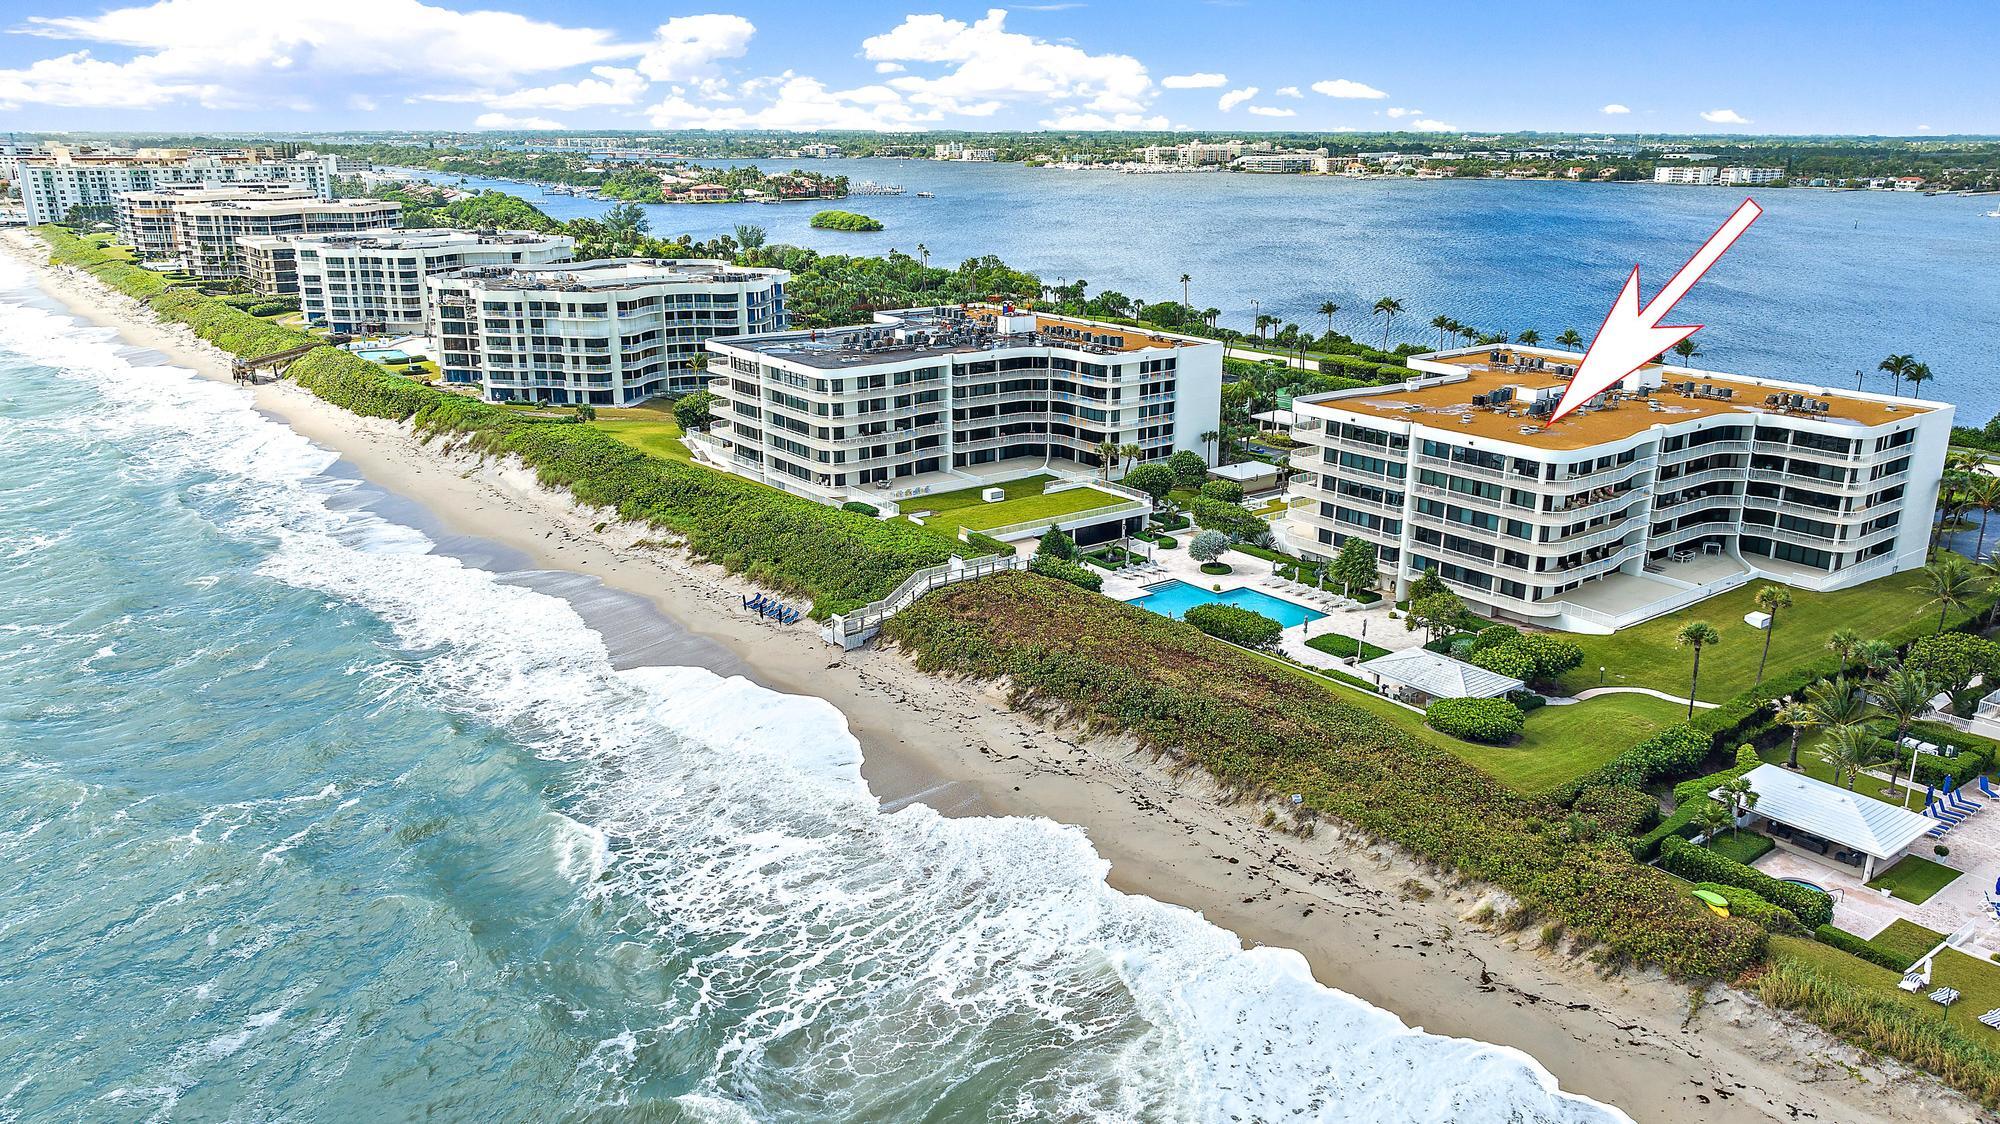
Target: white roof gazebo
{"x":1436,"y":676}
{"x":1876,"y":829}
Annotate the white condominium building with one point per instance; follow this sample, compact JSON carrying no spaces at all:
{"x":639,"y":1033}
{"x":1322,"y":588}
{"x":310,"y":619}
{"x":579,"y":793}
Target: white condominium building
{"x":372,"y":282}
{"x":928,"y":396}
{"x":147,"y":219}
{"x":52,"y":185}
{"x":1701,"y":176}
{"x":1671,"y":487}
{"x":604,"y":333}
{"x":1751,"y":177}
{"x":208,"y":234}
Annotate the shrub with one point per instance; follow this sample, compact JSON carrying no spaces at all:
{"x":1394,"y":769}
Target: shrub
{"x":1231,"y":519}
{"x":1345,"y":647}
{"x":691,"y":411}
{"x":1932,"y":769}
{"x":1617,"y":809}
{"x":1055,"y":544}
{"x":1527,"y":700}
{"x":1155,"y":479}
{"x":1263,"y":726}
{"x":1689,"y":796}
{"x":1188,"y":467}
{"x":1752,"y":907}
{"x":1674,"y":750}
{"x":1508,"y":660}
{"x":1217,"y":569}
{"x":1062,"y":569}
{"x":1228,"y":491}
{"x":860,"y":508}
{"x":1493,"y":721}
{"x":1858,"y":946}
{"x":1208,"y":546}
{"x":1170,"y":521}
{"x":1236,"y":625}
{"x":1812,"y":907}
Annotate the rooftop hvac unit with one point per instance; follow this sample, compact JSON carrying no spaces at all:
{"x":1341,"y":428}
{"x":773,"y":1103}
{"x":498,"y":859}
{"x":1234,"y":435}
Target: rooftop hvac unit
{"x":1479,"y":400}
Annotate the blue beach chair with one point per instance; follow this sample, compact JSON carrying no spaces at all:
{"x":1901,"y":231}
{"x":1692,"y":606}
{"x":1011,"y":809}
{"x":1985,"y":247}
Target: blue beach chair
{"x":1987,"y":789}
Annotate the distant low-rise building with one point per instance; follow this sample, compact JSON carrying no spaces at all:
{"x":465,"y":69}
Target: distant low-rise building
{"x":1751,"y":177}
{"x":612,"y":332}
{"x":1702,"y":175}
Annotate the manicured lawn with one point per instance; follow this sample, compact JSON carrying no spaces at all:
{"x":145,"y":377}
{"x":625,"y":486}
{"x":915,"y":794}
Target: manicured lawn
{"x":1025,"y":501}
{"x":1335,"y":644}
{"x":1743,"y":846}
{"x":1915,"y":879}
{"x":1907,"y":939}
{"x":1561,"y":743}
{"x":1644,"y":655}
{"x":649,"y":429}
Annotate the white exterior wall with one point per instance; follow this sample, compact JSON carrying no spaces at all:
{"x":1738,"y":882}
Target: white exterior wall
{"x":376,"y":279}
{"x":50,"y":189}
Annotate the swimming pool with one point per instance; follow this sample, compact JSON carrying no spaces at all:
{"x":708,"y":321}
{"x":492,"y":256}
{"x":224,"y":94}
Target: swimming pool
{"x":384,"y":355}
{"x":1806,"y":884}
{"x":1175,"y":598}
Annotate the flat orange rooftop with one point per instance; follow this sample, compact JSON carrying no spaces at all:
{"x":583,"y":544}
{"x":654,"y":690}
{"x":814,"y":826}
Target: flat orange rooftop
{"x":1132,"y":339}
{"x":1448,"y":405}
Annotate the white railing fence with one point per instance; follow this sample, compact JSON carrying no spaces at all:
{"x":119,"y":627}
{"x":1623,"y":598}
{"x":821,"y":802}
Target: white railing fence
{"x":850,"y":630}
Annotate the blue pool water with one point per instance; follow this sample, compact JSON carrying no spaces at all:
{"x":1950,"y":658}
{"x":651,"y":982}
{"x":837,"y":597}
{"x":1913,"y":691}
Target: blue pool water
{"x":383,"y":355}
{"x":1175,"y":598}
{"x":1806,"y":884}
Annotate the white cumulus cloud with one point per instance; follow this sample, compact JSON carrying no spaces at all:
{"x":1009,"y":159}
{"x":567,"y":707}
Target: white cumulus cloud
{"x":1346,"y":88}
{"x":1288,"y":92}
{"x":1399,"y":111}
{"x":793,"y":102}
{"x":1273,"y":111}
{"x":1614,"y":109}
{"x":612,"y":86}
{"x":1098,"y":122}
{"x":1234,"y":98}
{"x":1194,"y":81}
{"x":1724,"y":117}
{"x":689,"y":46}
{"x":982,"y":63}
{"x":1426,"y":125}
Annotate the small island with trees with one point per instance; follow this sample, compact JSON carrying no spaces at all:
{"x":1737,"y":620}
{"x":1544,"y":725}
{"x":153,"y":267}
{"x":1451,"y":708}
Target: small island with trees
{"x":844,"y":220}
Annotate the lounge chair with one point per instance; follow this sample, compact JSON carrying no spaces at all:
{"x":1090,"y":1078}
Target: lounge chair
{"x":1991,"y":1018}
{"x":1939,"y":810}
{"x":1986,"y":788}
{"x":1915,"y":979}
{"x":1945,"y":996}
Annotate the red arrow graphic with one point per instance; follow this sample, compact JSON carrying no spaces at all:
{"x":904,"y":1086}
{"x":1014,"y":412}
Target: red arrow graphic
{"x":1632,"y":336}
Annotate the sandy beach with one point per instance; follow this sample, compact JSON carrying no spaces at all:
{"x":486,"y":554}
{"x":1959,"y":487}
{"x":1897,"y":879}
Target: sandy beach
{"x":1369,"y":920}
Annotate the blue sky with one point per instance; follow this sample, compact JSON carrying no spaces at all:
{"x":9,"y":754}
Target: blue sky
{"x":1834,"y":66}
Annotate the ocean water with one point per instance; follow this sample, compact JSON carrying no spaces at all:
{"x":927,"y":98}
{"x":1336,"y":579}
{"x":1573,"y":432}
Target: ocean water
{"x":304,"y":819}
{"x":1822,"y":287}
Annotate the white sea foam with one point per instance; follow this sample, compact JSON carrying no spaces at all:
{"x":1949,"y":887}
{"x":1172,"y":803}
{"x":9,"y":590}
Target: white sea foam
{"x":870,"y":960}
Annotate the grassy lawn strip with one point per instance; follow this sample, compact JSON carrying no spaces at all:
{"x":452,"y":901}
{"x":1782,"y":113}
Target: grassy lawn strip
{"x":1335,"y":644}
{"x":1644,"y":655}
{"x":1907,"y":939}
{"x":1561,"y":743}
{"x":1025,"y":501}
{"x":650,"y":429}
{"x":1743,"y":846}
{"x":1915,"y":879}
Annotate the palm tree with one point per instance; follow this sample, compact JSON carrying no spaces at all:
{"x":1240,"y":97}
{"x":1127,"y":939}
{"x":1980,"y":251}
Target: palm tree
{"x":1740,"y":797}
{"x":1130,"y":452}
{"x":923,"y":255}
{"x":1897,"y":366}
{"x":1209,"y":438}
{"x":1185,"y":280}
{"x":1327,"y":309}
{"x":1570,"y":339}
{"x":1918,"y":374}
{"x":1797,"y":717}
{"x":1713,"y":817}
{"x":1770,"y":599}
{"x":1983,"y":490}
{"x":1107,"y":453}
{"x":1844,"y":643}
{"x":1695,"y":634}
{"x":1387,"y":308}
{"x":1687,"y":349}
{"x":1846,"y":751}
{"x":1904,"y":695}
{"x":1264,"y":321}
{"x":1529,"y":337}
{"x":1442,"y":323}
{"x":1875,"y":656}
{"x":1989,"y":579}
{"x":1950,"y":584}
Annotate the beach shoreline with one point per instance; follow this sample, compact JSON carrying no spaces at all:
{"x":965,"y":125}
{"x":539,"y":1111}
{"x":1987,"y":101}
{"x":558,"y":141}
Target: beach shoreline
{"x":1369,"y":920}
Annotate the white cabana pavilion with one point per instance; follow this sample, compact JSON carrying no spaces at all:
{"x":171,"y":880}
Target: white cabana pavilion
{"x":1419,"y":675}
{"x":1879,"y":831}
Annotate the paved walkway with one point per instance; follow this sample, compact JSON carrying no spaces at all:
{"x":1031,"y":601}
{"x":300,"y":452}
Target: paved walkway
{"x":1593,"y":692}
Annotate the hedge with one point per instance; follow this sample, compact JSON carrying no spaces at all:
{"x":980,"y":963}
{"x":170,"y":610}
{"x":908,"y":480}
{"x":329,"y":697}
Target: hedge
{"x":1062,"y":569}
{"x":1812,"y":907}
{"x":1235,"y":624}
{"x":1345,"y":647}
{"x":1688,"y":798}
{"x":1264,"y":726}
{"x":1751,"y":906}
{"x":1617,"y":809}
{"x":1859,"y":946}
{"x":860,"y":508}
{"x":1675,"y":750}
{"x":1493,"y":721}
{"x":1932,"y":769}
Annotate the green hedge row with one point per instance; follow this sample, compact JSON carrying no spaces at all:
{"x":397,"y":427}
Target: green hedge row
{"x":1688,"y":799}
{"x":1062,"y":569}
{"x":1263,"y":726}
{"x":1673,"y":751}
{"x":1492,"y":721}
{"x":1812,"y":907}
{"x":1860,"y":946}
{"x":1751,"y":906}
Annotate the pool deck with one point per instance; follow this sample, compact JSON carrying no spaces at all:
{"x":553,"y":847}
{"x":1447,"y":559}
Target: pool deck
{"x":1246,"y":572}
